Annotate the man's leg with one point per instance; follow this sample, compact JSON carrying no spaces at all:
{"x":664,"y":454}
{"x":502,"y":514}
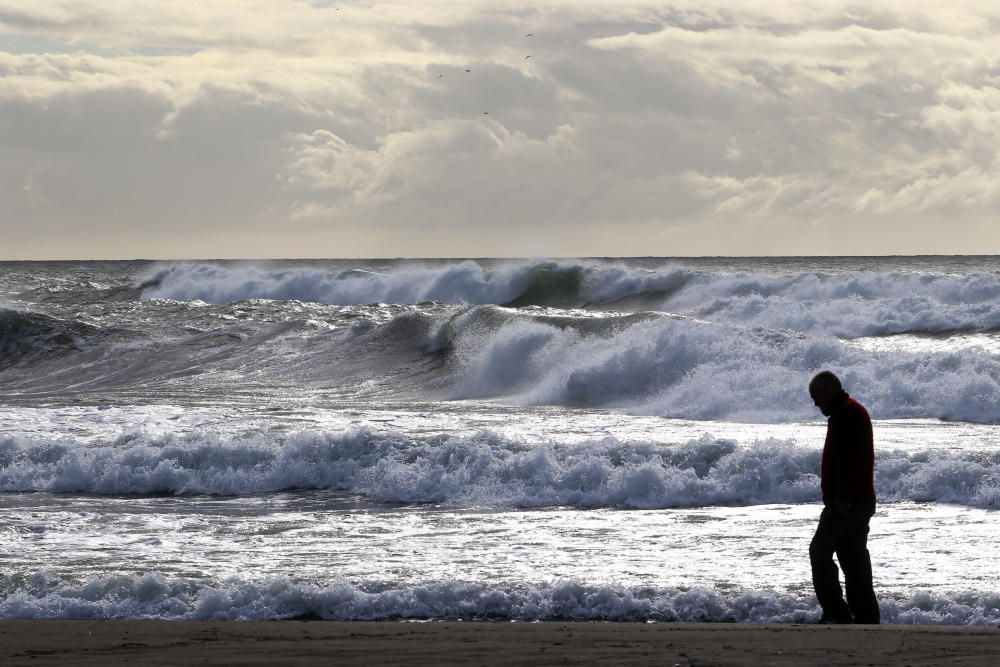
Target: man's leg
{"x":826,"y":578}
{"x":856,"y":562}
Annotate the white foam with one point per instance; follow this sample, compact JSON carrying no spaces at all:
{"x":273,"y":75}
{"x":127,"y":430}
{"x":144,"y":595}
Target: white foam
{"x":695,"y":370}
{"x":152,"y":596}
{"x":850,"y":304}
{"x":484,"y":468}
{"x":465,"y":282}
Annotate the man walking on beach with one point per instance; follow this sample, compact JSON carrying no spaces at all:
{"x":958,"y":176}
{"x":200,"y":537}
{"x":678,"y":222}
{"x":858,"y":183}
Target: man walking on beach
{"x":847,"y":479}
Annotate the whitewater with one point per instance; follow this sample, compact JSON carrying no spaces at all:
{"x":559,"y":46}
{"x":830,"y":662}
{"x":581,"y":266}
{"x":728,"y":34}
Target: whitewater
{"x":621,"y":439}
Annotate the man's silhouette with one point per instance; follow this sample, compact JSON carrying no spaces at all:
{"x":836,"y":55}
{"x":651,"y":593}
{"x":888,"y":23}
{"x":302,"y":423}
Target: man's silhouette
{"x":847,"y":479}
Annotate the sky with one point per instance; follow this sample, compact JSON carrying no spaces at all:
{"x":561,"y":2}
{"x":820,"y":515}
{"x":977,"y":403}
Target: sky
{"x":287,"y":128}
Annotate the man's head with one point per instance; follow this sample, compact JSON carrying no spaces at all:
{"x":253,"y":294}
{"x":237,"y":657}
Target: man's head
{"x":824,"y":388}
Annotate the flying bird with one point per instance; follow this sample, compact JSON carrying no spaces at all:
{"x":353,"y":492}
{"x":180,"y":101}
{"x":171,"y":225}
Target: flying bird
{"x":530,"y":34}
{"x":468,"y":70}
{"x":527,"y":56}
{"x":439,"y":76}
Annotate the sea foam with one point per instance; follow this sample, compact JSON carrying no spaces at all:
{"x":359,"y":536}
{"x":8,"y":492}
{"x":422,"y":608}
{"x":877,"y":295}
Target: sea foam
{"x":465,"y":282}
{"x":648,"y":363}
{"x":485,"y":468}
{"x":684,"y":368}
{"x":848,"y":305}
{"x":152,"y":596}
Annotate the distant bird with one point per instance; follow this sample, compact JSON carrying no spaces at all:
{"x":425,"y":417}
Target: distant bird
{"x":439,"y":76}
{"x":486,"y":113}
{"x":468,"y":70}
{"x":527,"y":56}
{"x":530,"y":34}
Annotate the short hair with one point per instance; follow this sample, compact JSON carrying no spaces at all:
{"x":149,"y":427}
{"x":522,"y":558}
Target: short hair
{"x":826,"y":381}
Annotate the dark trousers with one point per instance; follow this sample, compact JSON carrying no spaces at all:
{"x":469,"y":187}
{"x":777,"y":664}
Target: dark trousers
{"x":846,"y":534}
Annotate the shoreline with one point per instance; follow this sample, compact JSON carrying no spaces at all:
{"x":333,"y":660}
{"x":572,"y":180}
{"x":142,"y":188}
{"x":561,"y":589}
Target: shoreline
{"x":156,"y":642}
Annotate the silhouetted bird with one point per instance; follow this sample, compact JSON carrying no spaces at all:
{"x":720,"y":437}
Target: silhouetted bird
{"x":530,"y":34}
{"x":527,"y":56}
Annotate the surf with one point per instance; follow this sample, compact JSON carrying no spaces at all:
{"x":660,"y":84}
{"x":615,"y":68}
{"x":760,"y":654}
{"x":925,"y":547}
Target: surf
{"x":484,"y":468}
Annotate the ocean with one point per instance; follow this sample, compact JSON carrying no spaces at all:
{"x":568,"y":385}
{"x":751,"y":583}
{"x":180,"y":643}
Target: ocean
{"x":617,"y":439}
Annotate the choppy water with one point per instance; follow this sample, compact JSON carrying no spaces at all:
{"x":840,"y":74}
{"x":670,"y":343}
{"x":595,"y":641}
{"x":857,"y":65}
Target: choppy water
{"x":622,"y":439}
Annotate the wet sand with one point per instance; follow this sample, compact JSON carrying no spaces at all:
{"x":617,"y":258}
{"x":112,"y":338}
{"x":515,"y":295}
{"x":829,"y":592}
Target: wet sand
{"x":487,"y":643}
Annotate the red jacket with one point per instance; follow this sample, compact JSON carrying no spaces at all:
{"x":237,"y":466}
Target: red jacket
{"x":848,"y":471}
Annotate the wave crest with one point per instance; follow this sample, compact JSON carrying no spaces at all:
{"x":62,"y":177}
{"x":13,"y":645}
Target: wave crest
{"x":848,"y":305}
{"x":27,"y":335}
{"x":682,"y":368}
{"x":484,"y":469}
{"x":465,"y":282}
{"x":153,"y":595}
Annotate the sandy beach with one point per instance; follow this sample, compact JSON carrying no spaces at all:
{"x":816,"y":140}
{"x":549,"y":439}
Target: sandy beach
{"x":487,"y":643}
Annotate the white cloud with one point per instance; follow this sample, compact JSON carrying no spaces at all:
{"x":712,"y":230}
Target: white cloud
{"x":233,"y":128}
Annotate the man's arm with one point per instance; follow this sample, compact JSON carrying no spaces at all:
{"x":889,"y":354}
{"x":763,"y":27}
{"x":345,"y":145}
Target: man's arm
{"x":852,"y":457}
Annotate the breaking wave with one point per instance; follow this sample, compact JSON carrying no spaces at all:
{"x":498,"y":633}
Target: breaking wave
{"x":642,"y":363}
{"x":847,"y":305}
{"x":677,"y":367}
{"x":154,"y":596}
{"x":465,"y":282}
{"x":481,"y":469}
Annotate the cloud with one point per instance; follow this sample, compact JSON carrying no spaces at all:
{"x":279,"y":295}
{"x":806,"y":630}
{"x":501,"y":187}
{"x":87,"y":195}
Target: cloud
{"x":238,"y":128}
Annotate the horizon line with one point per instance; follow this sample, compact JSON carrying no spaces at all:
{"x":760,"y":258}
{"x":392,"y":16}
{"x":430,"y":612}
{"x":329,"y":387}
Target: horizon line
{"x":486,"y":257}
